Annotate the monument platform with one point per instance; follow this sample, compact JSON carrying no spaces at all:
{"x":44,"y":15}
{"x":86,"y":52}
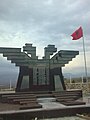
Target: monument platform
{"x":50,"y":108}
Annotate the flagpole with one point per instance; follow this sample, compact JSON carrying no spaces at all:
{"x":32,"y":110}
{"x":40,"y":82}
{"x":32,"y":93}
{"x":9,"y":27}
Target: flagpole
{"x":85,"y":60}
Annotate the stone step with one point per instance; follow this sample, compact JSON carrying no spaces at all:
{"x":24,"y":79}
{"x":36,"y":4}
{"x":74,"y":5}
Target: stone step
{"x":46,"y":100}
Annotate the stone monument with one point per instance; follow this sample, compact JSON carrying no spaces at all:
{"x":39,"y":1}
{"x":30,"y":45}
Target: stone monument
{"x":39,"y":74}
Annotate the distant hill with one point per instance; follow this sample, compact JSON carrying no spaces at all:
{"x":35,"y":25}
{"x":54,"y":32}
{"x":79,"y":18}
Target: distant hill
{"x":5,"y":78}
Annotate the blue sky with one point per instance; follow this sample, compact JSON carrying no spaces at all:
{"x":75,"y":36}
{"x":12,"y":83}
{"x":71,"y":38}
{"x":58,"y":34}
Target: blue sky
{"x":44,"y":22}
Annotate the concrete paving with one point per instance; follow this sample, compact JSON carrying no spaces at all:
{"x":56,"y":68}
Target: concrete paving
{"x":49,"y":103}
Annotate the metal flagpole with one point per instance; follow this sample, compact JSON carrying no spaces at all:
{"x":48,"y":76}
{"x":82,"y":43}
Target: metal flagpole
{"x":85,"y":59}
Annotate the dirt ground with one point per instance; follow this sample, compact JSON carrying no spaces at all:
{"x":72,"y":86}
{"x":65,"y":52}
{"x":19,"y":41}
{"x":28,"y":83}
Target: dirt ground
{"x":7,"y":107}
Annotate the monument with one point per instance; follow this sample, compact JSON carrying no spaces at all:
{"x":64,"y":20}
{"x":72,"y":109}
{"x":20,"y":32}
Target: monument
{"x":39,"y":74}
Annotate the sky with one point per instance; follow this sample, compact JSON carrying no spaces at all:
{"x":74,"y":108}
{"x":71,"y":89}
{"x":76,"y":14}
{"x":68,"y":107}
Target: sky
{"x":43,"y":22}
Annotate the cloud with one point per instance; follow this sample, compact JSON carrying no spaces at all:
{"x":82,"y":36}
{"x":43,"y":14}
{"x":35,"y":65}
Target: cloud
{"x":44,"y":22}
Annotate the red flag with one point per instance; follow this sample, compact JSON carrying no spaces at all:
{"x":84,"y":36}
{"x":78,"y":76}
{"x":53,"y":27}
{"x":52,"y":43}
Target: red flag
{"x":77,"y":34}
